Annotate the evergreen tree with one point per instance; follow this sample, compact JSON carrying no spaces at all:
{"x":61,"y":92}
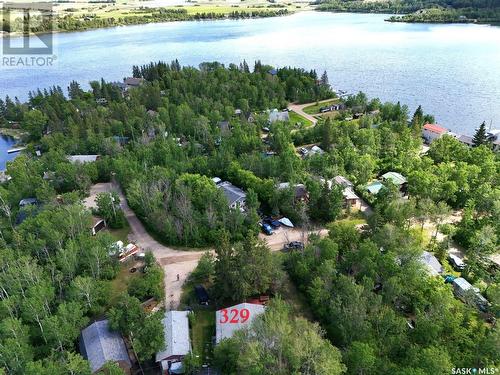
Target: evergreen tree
{"x":480,"y":137}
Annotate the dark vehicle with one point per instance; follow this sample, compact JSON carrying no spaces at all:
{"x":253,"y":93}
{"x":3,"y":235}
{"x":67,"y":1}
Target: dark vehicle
{"x":294,"y":245}
{"x":267,"y":229}
{"x":201,"y":294}
{"x":273,"y":223}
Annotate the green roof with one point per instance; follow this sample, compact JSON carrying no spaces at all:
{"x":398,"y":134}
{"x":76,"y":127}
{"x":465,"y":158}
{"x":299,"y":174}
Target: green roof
{"x":374,"y":187}
{"x":394,"y":177}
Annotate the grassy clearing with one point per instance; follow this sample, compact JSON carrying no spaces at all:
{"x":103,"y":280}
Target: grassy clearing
{"x":120,"y":283}
{"x":296,"y":118}
{"x":120,"y":234}
{"x":202,"y":331}
{"x":313,"y":109}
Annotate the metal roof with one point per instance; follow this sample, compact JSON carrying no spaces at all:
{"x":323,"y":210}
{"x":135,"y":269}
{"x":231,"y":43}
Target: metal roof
{"x":227,"y":330}
{"x":374,"y":187}
{"x":176,"y":331}
{"x":432,"y":263}
{"x":233,"y":194}
{"x":435,"y":128}
{"x":395,"y":177}
{"x":341,"y":180}
{"x":83,"y":158}
{"x":276,"y":115}
{"x":99,"y":345}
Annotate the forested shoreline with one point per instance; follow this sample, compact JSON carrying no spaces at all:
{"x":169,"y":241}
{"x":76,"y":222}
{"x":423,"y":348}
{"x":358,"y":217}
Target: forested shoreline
{"x":163,"y":138}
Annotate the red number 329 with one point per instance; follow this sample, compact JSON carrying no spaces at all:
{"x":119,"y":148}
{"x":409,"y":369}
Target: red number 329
{"x":234,"y":316}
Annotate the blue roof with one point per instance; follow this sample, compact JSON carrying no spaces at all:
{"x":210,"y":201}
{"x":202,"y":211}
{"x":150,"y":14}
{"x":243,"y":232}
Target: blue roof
{"x":374,"y":187}
{"x":99,"y":345}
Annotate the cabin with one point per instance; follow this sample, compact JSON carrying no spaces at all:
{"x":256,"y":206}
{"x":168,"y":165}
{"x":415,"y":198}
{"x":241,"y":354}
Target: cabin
{"x":234,"y":318}
{"x":177,"y":342}
{"x":430,"y":132}
{"x":133,"y":81}
{"x":98,"y":344}
{"x":494,"y":137}
{"x":431,"y":263}
{"x":397,"y":179}
{"x":236,"y":197}
{"x":351,"y":199}
{"x":82,"y":159}
{"x":300,"y":191}
{"x":466,"y":140}
{"x":276,"y":115}
{"x":315,"y":150}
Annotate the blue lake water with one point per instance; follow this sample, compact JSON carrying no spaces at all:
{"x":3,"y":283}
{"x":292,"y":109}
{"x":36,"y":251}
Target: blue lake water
{"x":6,"y":142}
{"x":452,"y":70}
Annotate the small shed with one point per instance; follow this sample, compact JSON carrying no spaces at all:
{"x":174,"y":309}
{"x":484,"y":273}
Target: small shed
{"x":432,"y":263}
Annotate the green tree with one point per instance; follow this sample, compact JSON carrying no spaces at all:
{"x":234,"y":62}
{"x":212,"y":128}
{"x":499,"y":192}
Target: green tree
{"x":480,"y":137}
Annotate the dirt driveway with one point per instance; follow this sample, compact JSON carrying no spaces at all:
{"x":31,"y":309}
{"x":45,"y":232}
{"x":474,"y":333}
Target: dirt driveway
{"x":174,"y":262}
{"x":284,"y":235}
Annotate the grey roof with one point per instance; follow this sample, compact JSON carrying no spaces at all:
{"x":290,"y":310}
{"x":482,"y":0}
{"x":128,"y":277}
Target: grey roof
{"x":176,"y":331}
{"x":227,"y":330}
{"x":99,"y":345}
{"x":133,"y":81}
{"x":224,"y":126}
{"x":466,"y":139}
{"x":276,"y":115}
{"x":432,"y":263}
{"x":82,"y":158}
{"x":28,"y":202}
{"x":463,"y":284}
{"x":233,"y":194}
{"x":341,"y":180}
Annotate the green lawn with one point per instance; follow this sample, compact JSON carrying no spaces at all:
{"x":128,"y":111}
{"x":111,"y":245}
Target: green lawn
{"x":296,"y":118}
{"x":313,"y":109}
{"x":120,"y":283}
{"x":120,"y":234}
{"x":202,"y":331}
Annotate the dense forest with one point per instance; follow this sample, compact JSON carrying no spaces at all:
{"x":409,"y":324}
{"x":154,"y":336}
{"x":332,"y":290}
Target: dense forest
{"x":375,"y":308}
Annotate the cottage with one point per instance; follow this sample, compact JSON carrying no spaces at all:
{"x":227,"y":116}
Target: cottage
{"x":234,"y":318}
{"x":82,"y":159}
{"x":374,"y":187}
{"x":494,"y":137}
{"x":397,"y":179}
{"x":177,"y":343}
{"x":276,"y":115}
{"x":466,"y":140}
{"x":133,"y":81}
{"x":432,"y":263}
{"x":462,"y":289}
{"x":351,"y":199}
{"x":100,"y":345}
{"x":235,"y":196}
{"x":301,"y":194}
{"x":431,"y":132}
{"x":316,"y":150}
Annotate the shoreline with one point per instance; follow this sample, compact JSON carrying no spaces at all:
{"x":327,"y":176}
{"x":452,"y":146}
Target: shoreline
{"x":17,"y":134}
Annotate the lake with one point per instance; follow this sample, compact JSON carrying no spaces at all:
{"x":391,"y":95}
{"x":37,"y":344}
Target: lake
{"x":452,"y":70}
{"x":6,"y":143}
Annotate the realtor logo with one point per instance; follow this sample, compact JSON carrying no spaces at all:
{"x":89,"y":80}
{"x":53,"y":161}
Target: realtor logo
{"x":27,"y":29}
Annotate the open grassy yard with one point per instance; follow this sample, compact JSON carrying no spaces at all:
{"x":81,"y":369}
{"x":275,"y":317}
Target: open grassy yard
{"x":202,"y":331}
{"x":296,"y":118}
{"x":313,"y":109}
{"x":120,"y":283}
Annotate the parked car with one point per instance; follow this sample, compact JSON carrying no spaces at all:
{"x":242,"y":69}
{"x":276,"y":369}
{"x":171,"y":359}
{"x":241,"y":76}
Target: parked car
{"x":456,"y":262}
{"x":273,"y":223}
{"x":266,"y":228}
{"x":294,"y":245}
{"x":303,"y":150}
{"x":201,"y":294}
